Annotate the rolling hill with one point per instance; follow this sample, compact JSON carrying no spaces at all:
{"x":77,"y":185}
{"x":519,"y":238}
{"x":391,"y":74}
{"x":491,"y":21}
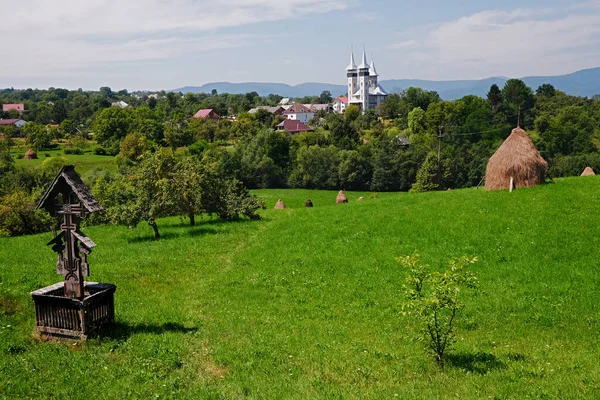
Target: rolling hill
{"x":584,"y":83}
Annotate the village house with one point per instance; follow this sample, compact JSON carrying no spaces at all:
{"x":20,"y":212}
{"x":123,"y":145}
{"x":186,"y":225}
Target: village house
{"x":18,"y":123}
{"x":120,"y":103}
{"x":340,"y":104}
{"x":326,"y":108}
{"x":293,"y":126}
{"x":299,"y":112}
{"x":208,"y":113}
{"x":278,"y":110}
{"x":17,"y":107}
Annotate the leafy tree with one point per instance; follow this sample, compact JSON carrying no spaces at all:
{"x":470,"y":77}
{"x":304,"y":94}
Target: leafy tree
{"x":133,"y":146}
{"x":37,"y":137}
{"x":343,"y":133}
{"x":433,"y":300}
{"x":546,"y":90}
{"x":6,"y":161}
{"x":325,"y":97}
{"x":264,"y":117}
{"x":354,"y":170}
{"x":111,"y":125}
{"x":519,"y":100}
{"x":68,"y":127}
{"x":495,"y":97}
{"x":352,"y":112}
{"x":428,"y":177}
{"x":315,"y":168}
{"x":18,"y":215}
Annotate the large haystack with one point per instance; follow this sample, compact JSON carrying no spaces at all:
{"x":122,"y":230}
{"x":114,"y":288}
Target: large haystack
{"x":308,"y":203}
{"x":341,"y":198}
{"x":279,"y":205}
{"x":31,"y":155}
{"x":517,"y":160}
{"x":588,"y":172}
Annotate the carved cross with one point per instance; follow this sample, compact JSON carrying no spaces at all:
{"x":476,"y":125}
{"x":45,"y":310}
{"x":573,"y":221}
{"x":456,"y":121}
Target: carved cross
{"x":72,"y":255}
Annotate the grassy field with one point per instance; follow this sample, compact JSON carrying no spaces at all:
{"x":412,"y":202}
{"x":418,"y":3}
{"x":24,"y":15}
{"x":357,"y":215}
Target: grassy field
{"x":306,"y":303}
{"x":83,"y":162}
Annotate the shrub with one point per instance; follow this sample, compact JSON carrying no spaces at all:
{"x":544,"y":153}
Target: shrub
{"x":73,"y":150}
{"x":99,"y":151}
{"x":433,"y":300}
{"x":197,"y":148}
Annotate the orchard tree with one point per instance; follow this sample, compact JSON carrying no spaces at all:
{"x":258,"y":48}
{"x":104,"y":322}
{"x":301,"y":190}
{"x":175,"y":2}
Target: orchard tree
{"x":111,"y":125}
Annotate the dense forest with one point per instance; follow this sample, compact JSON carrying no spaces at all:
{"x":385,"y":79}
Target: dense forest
{"x":414,"y":141}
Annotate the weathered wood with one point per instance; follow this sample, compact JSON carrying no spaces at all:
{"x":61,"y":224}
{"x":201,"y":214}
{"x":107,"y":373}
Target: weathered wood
{"x":73,"y":308}
{"x":74,"y":318}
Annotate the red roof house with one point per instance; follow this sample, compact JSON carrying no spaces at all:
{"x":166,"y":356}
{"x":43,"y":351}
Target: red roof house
{"x":208,"y":113}
{"x":293,"y":126}
{"x":17,"y":107}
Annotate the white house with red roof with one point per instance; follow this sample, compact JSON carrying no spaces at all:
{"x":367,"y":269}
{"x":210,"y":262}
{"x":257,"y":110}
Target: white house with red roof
{"x":14,"y":122}
{"x":340,"y":104}
{"x":17,"y":107}
{"x":207,"y":113}
{"x":299,"y":112}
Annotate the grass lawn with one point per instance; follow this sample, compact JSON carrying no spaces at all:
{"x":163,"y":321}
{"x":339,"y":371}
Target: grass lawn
{"x":83,"y":162}
{"x":306,"y":303}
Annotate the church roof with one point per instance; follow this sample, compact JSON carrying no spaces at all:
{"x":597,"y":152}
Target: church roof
{"x":352,"y":65}
{"x":364,"y":64}
{"x":377,"y":91}
{"x":372,"y":70}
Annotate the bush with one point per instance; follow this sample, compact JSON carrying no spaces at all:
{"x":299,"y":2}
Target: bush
{"x":433,"y":300}
{"x":72,"y":150}
{"x":99,"y":151}
{"x":197,"y":148}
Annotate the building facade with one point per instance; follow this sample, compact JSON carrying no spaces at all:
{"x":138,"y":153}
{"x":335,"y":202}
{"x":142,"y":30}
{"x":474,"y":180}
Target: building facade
{"x":363,"y":87}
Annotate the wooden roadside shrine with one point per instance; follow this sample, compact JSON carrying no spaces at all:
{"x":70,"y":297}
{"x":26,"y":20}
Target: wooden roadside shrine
{"x":73,"y":308}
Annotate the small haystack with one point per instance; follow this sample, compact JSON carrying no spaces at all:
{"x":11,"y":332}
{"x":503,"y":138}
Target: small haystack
{"x":360,"y":198}
{"x":280,"y":205}
{"x":341,"y":198}
{"x":31,"y":155}
{"x":517,"y":162}
{"x":308,"y":203}
{"x":588,"y":172}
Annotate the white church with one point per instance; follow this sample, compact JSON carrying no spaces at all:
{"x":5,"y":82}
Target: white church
{"x":363,"y":88}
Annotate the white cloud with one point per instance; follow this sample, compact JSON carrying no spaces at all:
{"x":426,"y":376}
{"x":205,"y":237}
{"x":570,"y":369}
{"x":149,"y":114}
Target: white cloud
{"x":51,"y":37}
{"x":514,"y":43}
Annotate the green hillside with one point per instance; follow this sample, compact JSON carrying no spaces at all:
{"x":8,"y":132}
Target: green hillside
{"x":306,"y":303}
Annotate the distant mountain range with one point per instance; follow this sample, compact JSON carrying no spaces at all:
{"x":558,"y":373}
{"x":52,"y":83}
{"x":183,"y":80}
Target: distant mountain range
{"x":584,"y":83}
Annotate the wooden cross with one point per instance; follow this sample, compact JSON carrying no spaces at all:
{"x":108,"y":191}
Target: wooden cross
{"x":72,"y":255}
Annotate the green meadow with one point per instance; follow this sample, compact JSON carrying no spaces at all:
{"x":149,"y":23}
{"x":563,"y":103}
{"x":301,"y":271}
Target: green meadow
{"x":306,"y":302}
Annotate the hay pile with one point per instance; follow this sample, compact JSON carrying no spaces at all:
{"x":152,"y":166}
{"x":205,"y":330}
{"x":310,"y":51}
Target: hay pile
{"x":518,"y":159}
{"x":31,"y":155}
{"x":279,"y":205}
{"x":588,"y":172}
{"x":341,"y":198}
{"x":308,"y":203}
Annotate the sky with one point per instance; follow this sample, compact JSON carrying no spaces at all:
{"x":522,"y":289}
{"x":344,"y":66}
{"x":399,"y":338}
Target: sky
{"x":160,"y":44}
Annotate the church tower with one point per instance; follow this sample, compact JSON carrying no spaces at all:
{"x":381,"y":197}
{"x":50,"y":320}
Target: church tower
{"x":363,"y":82}
{"x":364,"y":90}
{"x":352,"y":74}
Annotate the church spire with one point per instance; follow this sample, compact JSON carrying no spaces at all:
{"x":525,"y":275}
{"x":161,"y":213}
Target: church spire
{"x":372,"y":70}
{"x":352,"y":65}
{"x":364,"y":64}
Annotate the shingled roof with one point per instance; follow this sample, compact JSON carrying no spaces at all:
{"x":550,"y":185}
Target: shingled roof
{"x":67,"y":179}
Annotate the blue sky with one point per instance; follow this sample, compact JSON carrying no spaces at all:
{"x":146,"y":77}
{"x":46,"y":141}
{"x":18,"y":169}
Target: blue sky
{"x":157,"y":44}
